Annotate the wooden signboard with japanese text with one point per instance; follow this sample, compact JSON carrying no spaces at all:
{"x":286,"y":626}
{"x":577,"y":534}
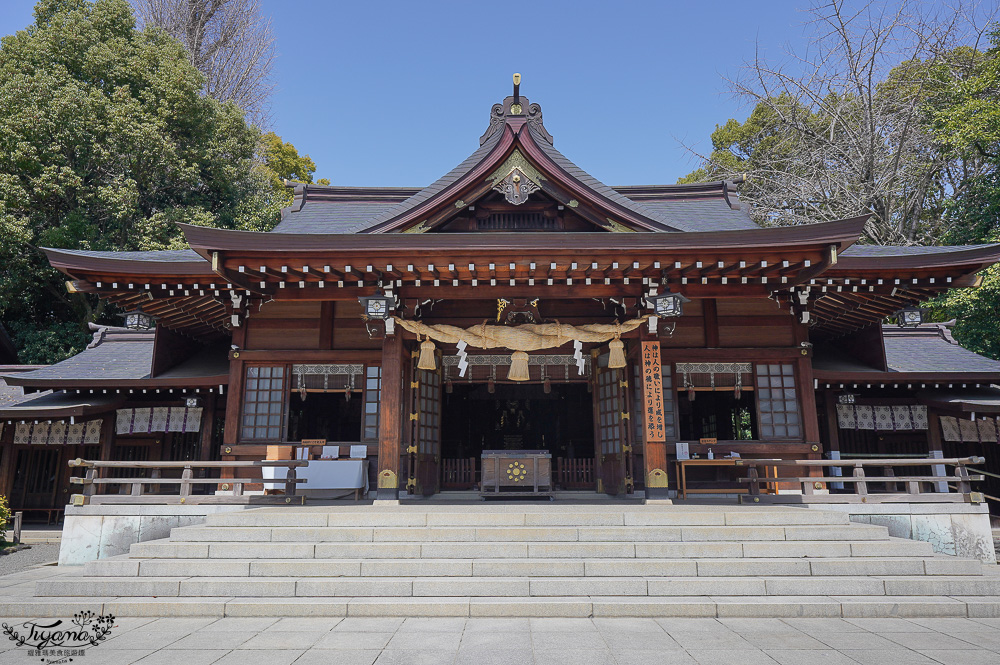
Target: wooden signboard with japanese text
{"x":652,"y":391}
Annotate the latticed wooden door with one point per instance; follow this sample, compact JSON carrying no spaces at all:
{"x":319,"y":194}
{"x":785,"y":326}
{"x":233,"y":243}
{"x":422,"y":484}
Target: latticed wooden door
{"x":427,"y":430}
{"x":611,"y":430}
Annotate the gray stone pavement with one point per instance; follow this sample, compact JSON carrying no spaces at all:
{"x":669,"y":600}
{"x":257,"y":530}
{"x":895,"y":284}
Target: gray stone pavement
{"x":454,"y":641}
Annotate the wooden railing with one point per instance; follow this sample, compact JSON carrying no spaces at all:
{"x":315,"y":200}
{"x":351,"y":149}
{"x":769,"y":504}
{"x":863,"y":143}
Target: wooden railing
{"x":858,"y":485}
{"x":232,"y":488}
{"x":575,"y":473}
{"x":458,"y":473}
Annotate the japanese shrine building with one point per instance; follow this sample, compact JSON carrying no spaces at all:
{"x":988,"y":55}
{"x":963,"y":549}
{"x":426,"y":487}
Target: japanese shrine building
{"x":261,"y":340}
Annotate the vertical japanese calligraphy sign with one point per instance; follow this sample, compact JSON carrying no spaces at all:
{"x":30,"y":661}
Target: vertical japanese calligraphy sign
{"x":652,"y":392}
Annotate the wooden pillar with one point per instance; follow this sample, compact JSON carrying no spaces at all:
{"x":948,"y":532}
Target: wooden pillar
{"x":390,"y":421}
{"x":107,"y":448}
{"x":107,"y":437}
{"x":205,"y":452}
{"x":654,"y":447}
{"x":935,"y":448}
{"x":234,"y":399}
{"x":8,"y":457}
{"x":832,"y":429}
{"x":810,"y":417}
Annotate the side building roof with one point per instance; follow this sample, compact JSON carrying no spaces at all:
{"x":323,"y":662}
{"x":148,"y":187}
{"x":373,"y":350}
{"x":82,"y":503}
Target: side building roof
{"x":121,"y":358}
{"x":927,"y":352}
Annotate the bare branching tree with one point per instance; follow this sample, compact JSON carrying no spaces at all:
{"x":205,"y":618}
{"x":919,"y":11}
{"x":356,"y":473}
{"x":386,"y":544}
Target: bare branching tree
{"x":229,"y":41}
{"x":843,"y":128}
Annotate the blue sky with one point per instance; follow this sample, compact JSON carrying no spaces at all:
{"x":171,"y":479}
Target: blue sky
{"x":397,"y":93}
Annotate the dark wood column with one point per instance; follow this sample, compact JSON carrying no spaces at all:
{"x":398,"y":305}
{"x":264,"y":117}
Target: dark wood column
{"x":654,"y":455}
{"x":390,"y":421}
{"x":8,"y":457}
{"x":205,"y":451}
{"x":234,"y":399}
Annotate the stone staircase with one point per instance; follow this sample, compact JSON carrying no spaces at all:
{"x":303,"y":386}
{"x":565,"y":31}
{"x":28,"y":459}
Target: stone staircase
{"x":524,"y":559}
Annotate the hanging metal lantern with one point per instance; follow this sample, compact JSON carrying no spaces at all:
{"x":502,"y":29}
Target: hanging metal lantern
{"x":376,"y":307}
{"x":138,"y":320}
{"x":909,"y":317}
{"x":667,"y":304}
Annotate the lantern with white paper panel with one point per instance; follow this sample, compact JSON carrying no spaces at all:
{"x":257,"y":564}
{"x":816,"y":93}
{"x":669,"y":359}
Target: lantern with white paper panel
{"x":909,"y":317}
{"x":139,"y":320}
{"x":667,"y":304}
{"x":376,"y":307}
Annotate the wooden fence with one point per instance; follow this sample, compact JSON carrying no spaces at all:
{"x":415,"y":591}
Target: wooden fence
{"x":575,"y":473}
{"x":870,"y":481}
{"x":458,"y":473}
{"x":156,"y":489}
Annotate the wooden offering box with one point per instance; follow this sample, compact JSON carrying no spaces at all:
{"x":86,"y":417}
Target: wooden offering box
{"x":517,"y":473}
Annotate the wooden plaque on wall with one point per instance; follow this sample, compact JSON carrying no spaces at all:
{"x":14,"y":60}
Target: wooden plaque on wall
{"x":652,"y":393}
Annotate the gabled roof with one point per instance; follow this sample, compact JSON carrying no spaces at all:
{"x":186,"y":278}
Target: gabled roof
{"x":927,"y":352}
{"x":692,"y":208}
{"x":119,"y":358}
{"x":931,"y":348}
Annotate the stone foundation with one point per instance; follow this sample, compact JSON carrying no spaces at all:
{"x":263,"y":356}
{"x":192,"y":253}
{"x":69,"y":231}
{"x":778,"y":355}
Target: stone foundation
{"x":959,"y":529}
{"x":102,"y":531}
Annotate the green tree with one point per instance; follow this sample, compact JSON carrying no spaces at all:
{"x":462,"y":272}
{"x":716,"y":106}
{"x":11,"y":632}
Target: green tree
{"x":968,"y":123}
{"x":105,"y":142}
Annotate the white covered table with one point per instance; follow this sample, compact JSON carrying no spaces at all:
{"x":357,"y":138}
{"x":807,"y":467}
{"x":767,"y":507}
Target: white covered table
{"x":323,"y":477}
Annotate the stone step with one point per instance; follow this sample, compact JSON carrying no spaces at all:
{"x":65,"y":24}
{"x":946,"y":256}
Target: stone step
{"x":919,"y":568}
{"x":477,"y":517}
{"x":589,"y":534}
{"x":509,"y":586}
{"x":599,"y":606}
{"x":167,"y":549}
{"x":672,"y":560}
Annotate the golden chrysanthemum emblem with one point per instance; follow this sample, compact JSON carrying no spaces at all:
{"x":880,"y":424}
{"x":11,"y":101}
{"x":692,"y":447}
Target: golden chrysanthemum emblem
{"x":516,"y":472}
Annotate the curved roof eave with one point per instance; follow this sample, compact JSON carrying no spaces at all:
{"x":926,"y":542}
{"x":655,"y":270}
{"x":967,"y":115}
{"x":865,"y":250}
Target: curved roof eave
{"x":921,"y":258}
{"x":183,"y":262}
{"x":842,"y":233}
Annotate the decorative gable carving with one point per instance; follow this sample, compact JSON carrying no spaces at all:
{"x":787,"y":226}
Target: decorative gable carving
{"x":516,"y":187}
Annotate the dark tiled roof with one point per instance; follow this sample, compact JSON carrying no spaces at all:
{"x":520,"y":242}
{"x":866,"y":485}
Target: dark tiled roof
{"x":50,"y":404}
{"x":162,"y":256}
{"x":438,"y":185}
{"x":593,"y":183}
{"x":9,"y":394}
{"x":930,"y":349}
{"x":986,"y":400}
{"x":113,"y":355}
{"x":118,"y":355}
{"x":324,"y":216}
{"x":338,"y":213}
{"x":912,"y":250}
{"x":701,"y":215}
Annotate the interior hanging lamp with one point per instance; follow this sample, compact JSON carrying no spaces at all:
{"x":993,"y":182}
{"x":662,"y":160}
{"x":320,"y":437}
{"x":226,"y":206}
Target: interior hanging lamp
{"x":426,"y":360}
{"x":518,"y":367}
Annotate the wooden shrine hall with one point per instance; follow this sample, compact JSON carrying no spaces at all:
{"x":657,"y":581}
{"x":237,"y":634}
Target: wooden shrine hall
{"x":517,"y":310}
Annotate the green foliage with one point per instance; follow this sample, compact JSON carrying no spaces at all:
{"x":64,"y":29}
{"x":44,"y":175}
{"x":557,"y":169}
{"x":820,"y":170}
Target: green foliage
{"x":5,"y":517}
{"x":281,"y":162}
{"x":284,"y":160}
{"x":967,"y":121}
{"x":44,"y":344}
{"x":105,"y":142}
{"x":969,"y":118}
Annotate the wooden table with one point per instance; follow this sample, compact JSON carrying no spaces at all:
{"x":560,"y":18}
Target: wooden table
{"x":683,"y":464}
{"x":516,"y":473}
